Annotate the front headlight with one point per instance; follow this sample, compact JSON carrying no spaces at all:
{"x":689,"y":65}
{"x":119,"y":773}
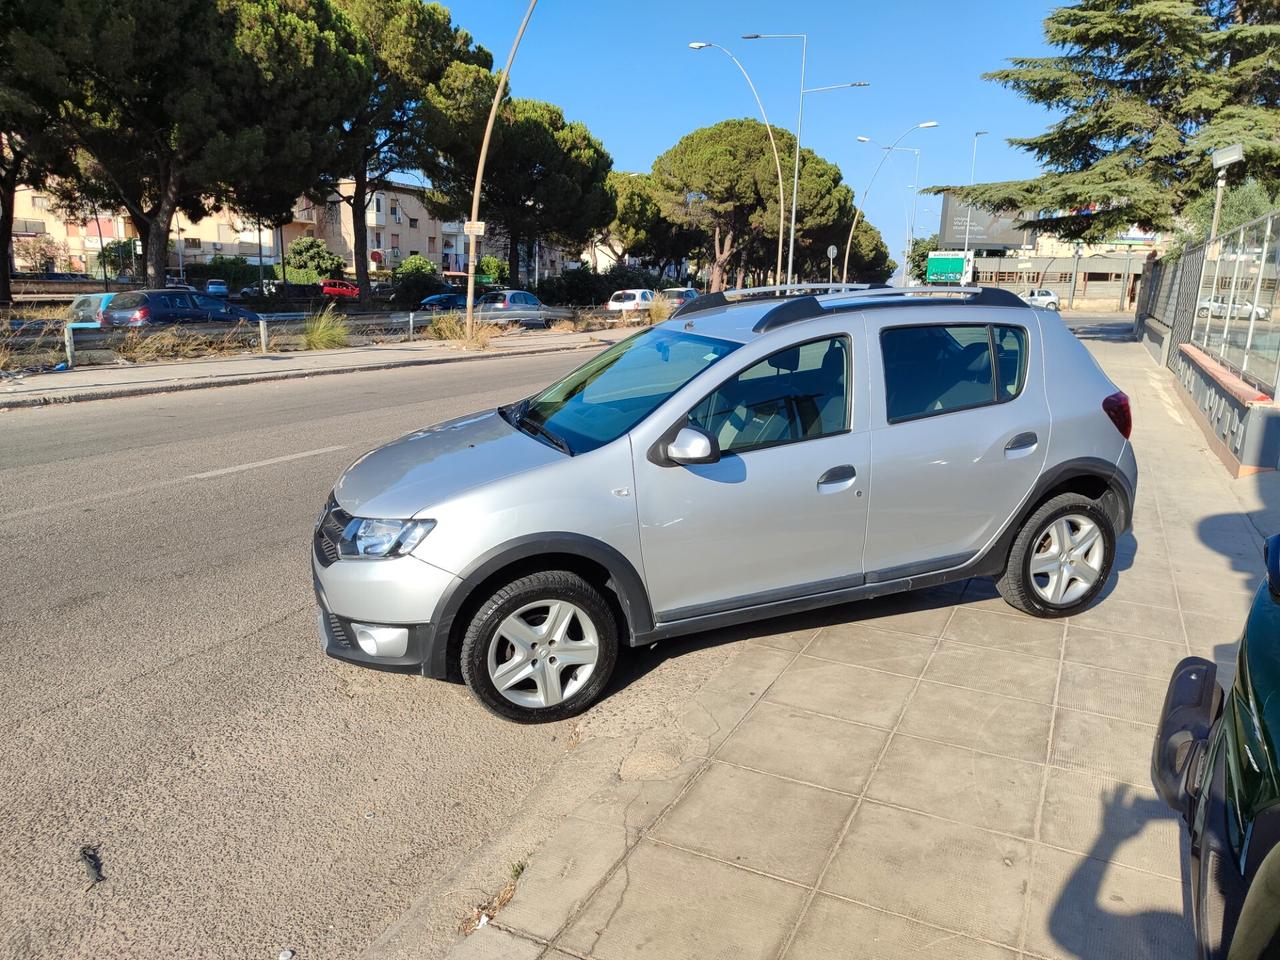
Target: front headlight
{"x":382,"y":538}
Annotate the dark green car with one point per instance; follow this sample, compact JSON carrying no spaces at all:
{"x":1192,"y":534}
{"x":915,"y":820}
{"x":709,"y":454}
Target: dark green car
{"x":1215,"y":763}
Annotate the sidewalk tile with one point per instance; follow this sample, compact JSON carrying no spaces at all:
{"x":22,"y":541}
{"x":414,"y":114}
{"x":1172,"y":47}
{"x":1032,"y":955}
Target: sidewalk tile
{"x":949,"y":874}
{"x":1119,"y":749}
{"x":1230,"y":605}
{"x":671,"y":905}
{"x":852,"y":693}
{"x":562,"y":874}
{"x":1019,"y":634}
{"x":718,"y":706}
{"x":993,"y":792}
{"x":1118,"y":651}
{"x":793,"y":641}
{"x":868,"y":646}
{"x":1116,"y":694}
{"x":838,"y":930}
{"x":1140,"y":620}
{"x":1082,"y":907}
{"x":1083,"y":811}
{"x":762,"y":822}
{"x":980,"y":721}
{"x":920,"y":612}
{"x":1126,"y":585}
{"x":995,"y":671}
{"x":490,"y":943}
{"x":803,"y":746}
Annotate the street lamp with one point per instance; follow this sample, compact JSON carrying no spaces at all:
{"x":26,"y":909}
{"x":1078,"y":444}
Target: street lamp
{"x":973,"y":166}
{"x":795,"y":176}
{"x":472,"y":227}
{"x":915,"y":186}
{"x":777,"y":162}
{"x":926,"y":125}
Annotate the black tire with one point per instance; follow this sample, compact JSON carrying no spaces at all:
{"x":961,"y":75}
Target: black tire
{"x":1016,"y":584}
{"x":481,"y":632}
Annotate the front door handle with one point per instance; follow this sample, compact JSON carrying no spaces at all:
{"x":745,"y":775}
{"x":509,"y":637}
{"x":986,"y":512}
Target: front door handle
{"x":837,"y":478}
{"x":1022,"y":441}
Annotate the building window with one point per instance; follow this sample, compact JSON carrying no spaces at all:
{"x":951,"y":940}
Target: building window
{"x":395,"y":239}
{"x":413,"y":223}
{"x":395,"y":211}
{"x":40,"y":202}
{"x":413,"y":253}
{"x":377,"y":239}
{"x":431,"y":244}
{"x":191,"y":243}
{"x":377,"y":204}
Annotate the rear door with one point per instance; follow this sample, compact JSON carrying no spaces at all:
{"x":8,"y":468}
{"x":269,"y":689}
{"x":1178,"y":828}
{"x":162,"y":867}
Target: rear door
{"x":961,"y":429}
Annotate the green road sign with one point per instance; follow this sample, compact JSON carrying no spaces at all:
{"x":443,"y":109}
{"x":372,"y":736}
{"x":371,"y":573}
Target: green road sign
{"x":485,"y":278}
{"x":945,"y":268}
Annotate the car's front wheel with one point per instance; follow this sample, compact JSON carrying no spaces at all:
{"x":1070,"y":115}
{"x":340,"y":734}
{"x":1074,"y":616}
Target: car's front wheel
{"x":541,"y":648}
{"x":1060,"y":558}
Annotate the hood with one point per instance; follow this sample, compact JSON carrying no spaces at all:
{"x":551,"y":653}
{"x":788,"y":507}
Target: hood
{"x":429,"y":466}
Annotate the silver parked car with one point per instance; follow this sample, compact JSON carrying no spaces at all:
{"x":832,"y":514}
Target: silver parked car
{"x":755,"y":455}
{"x":1041,"y":298}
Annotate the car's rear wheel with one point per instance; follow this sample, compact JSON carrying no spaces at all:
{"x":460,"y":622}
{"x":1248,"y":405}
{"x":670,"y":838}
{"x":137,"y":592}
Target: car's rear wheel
{"x":1060,"y":558}
{"x":541,"y":648}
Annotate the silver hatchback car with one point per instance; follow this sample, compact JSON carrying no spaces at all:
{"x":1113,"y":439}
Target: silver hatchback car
{"x":758,"y":454}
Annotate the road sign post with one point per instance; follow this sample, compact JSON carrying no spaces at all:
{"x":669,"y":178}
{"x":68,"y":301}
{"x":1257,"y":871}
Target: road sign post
{"x":831,"y":262}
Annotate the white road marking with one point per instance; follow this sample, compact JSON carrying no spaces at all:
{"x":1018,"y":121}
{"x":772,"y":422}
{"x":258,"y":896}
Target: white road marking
{"x":263,"y":463}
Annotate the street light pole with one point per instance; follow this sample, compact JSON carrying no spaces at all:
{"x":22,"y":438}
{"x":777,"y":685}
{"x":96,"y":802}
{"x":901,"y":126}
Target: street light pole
{"x":857,"y":216}
{"x":973,"y":168}
{"x":795,"y":175}
{"x":777,"y":162}
{"x":484,"y":153}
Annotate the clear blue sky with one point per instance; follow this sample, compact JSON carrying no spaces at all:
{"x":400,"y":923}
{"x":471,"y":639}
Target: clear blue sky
{"x":627,"y":72}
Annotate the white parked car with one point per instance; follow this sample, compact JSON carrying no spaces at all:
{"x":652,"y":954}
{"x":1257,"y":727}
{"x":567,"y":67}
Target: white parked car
{"x":630,"y":301}
{"x":1041,"y":298}
{"x":1222,"y":305}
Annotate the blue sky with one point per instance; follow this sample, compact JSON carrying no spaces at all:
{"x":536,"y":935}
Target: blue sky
{"x":627,"y":72}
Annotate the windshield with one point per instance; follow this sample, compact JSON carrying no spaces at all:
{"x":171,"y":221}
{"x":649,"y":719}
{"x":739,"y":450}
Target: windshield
{"x":612,"y":392}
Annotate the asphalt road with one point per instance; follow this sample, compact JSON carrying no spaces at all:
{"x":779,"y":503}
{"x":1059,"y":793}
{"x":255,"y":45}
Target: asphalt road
{"x":163,"y":697}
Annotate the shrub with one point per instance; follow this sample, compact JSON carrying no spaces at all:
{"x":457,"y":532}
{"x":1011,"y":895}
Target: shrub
{"x":491,"y":266}
{"x":415,"y":278}
{"x":453,"y":326}
{"x":325,"y":330}
{"x":312,"y":253}
{"x":660,"y":309}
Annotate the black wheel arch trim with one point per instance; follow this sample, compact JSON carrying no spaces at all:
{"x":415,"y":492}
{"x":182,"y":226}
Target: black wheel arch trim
{"x":627,"y":583}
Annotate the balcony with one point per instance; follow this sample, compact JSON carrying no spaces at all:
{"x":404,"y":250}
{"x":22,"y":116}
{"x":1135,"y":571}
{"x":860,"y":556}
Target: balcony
{"x":23,"y":227}
{"x":305,"y":214}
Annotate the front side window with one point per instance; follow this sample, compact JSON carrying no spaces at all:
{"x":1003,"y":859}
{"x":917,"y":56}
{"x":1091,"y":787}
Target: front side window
{"x":797,"y":394}
{"x":614,"y":391}
{"x":936,"y":369}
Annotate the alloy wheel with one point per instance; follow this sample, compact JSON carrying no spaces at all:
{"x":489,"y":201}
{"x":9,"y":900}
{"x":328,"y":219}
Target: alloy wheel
{"x":1068,"y":559}
{"x":543,"y":653}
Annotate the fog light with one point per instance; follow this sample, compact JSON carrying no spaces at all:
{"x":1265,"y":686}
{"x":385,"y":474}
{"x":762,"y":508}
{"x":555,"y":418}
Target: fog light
{"x":381,"y":641}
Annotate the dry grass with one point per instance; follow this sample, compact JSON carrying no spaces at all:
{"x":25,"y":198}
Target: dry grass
{"x":660,"y":309}
{"x":453,"y":326}
{"x":41,"y":348}
{"x":325,"y":330}
{"x":486,"y":911}
{"x":564,"y":326}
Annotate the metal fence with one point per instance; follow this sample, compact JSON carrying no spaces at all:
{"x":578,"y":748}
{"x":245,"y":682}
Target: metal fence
{"x":1221,"y":297}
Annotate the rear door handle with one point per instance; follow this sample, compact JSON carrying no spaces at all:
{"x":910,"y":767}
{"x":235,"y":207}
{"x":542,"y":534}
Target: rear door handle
{"x":1022,"y":441}
{"x":837,"y":478}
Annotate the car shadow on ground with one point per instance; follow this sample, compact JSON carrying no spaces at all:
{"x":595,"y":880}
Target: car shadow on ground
{"x":1091,"y":918}
{"x":1113,"y":331}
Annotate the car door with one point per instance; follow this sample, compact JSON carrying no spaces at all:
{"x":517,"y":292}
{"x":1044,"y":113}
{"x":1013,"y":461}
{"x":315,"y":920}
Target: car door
{"x":960,"y":432}
{"x":211,"y":308}
{"x":782,"y":514}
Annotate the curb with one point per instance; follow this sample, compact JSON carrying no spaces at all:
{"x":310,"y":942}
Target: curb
{"x":18,"y":403}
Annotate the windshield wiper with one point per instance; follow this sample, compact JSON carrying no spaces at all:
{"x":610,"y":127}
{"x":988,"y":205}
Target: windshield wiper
{"x":524,"y":421}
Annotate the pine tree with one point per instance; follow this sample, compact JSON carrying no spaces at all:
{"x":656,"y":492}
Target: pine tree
{"x":1148,"y":88}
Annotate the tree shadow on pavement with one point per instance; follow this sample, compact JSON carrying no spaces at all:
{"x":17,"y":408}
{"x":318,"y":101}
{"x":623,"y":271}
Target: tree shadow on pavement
{"x":1100,"y":911}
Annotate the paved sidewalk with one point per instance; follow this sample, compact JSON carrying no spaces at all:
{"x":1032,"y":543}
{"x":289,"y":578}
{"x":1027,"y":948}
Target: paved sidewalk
{"x":928,"y":776}
{"x":127,"y":380}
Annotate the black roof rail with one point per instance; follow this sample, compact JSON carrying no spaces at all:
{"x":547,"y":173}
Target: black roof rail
{"x":785,"y":291}
{"x":806,"y":308}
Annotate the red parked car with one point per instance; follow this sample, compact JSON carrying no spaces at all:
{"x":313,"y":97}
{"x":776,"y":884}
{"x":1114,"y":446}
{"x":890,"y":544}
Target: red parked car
{"x":340,"y":288}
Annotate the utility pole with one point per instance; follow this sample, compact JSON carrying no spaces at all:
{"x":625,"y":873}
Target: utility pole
{"x":973,"y":169}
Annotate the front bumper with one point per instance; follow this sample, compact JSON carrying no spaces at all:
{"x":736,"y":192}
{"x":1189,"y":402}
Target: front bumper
{"x":1191,"y":705}
{"x":402,"y":592}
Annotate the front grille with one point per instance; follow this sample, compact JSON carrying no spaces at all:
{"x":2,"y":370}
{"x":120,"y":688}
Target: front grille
{"x":329,"y":532}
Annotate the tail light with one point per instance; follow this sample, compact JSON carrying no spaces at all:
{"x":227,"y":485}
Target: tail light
{"x":142,"y":315}
{"x":1116,"y":407}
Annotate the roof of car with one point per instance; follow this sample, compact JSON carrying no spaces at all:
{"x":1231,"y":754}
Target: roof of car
{"x":742,"y":315}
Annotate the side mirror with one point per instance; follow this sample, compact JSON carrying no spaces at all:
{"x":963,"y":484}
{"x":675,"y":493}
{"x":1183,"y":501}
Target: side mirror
{"x":693,"y":445}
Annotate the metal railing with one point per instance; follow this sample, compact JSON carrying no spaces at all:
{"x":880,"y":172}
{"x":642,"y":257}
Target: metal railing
{"x":1221,"y":296}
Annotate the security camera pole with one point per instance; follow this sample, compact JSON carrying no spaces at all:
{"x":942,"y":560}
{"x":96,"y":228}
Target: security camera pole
{"x":474,"y":227}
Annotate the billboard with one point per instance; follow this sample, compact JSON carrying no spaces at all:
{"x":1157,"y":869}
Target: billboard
{"x":986,"y":231}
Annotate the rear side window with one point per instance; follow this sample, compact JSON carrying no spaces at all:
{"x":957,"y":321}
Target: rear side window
{"x":126,"y":301}
{"x":800,"y":393}
{"x":936,"y":369}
